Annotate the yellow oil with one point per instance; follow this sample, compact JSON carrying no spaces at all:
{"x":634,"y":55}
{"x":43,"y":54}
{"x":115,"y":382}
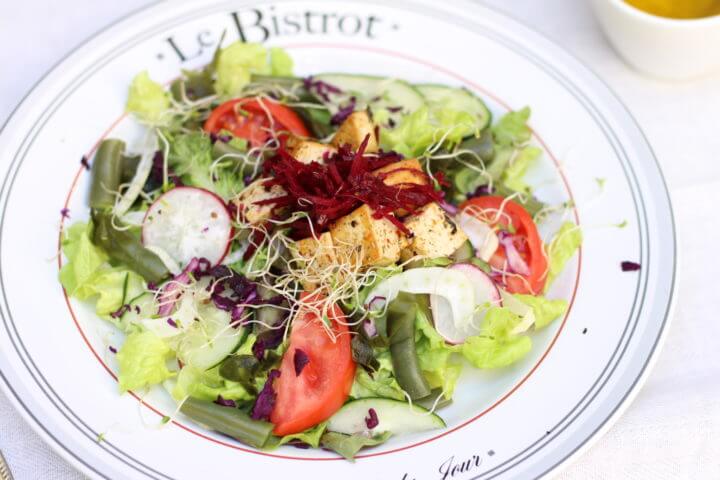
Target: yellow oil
{"x":678,"y":8}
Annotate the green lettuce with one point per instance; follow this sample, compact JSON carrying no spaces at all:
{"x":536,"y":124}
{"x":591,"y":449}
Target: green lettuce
{"x":512,"y":129}
{"x":147,"y":100}
{"x":206,"y":385}
{"x":544,"y":310}
{"x":561,"y":249}
{"x":434,"y":356}
{"x":513,"y":175}
{"x":281,"y":64}
{"x":142,"y":360}
{"x":311,"y":436}
{"x":423,"y":127}
{"x":238,"y":61}
{"x":381,"y":383}
{"x":83,"y":261}
{"x":87,"y":272}
{"x":191,"y":158}
{"x":349,"y":445}
{"x":496,"y":346}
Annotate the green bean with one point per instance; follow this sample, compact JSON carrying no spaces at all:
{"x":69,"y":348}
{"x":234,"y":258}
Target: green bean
{"x":129,"y":167}
{"x":106,"y":173}
{"x":228,"y":420}
{"x":401,"y":328}
{"x":193,"y":85}
{"x":123,"y":246}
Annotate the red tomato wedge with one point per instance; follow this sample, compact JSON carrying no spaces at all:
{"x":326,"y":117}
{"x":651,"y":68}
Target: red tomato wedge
{"x":525,"y":238}
{"x":250,"y":118}
{"x":324,"y":382}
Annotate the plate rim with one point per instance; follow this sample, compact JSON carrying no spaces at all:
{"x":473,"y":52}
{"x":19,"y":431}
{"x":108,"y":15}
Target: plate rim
{"x":671,"y":299}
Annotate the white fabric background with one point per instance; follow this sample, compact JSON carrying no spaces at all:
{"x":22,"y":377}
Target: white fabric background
{"x":672,"y":430}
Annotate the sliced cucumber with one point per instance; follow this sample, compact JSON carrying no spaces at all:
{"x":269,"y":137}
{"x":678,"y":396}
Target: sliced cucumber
{"x":379,"y":93}
{"x":210,"y":338}
{"x":393,"y":416}
{"x":141,"y":307}
{"x":456,"y":98}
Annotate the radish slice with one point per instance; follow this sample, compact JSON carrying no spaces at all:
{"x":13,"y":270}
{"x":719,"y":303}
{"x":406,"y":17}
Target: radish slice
{"x":480,"y":234}
{"x":452,"y":285}
{"x":187,"y":223}
{"x":485,"y":293}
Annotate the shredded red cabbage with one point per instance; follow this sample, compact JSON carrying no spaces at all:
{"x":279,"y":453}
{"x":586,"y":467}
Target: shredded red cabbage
{"x":84,"y":162}
{"x":120,"y":311}
{"x":172,"y":323}
{"x":225,"y":402}
{"x":372,"y":421}
{"x":65,"y":213}
{"x":300,"y":359}
{"x":112,"y":349}
{"x":320,"y":88}
{"x":628,"y":266}
{"x":344,"y":112}
{"x":266,"y":398}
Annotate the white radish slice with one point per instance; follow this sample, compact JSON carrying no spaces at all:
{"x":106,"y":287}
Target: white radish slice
{"x":452,"y":285}
{"x":481,"y":235}
{"x":486,"y":294}
{"x":187,"y":223}
{"x":525,"y":312}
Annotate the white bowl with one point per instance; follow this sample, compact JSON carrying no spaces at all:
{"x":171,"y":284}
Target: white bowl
{"x":663,"y":47}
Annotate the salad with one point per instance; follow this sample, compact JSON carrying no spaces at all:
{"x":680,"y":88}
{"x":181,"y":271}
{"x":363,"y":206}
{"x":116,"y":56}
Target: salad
{"x":313,"y":261}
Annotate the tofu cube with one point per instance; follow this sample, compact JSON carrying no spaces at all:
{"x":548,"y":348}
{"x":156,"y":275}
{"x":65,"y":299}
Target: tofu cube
{"x":434,"y":234}
{"x":317,"y":255}
{"x":354,"y":130}
{"x":404,"y":171}
{"x":307,"y":151}
{"x":256,"y":191}
{"x":360,"y":238}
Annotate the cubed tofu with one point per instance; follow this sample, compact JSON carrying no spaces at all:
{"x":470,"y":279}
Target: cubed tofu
{"x":317,"y":255}
{"x":360,"y":238}
{"x":256,"y":191}
{"x":404,"y":171}
{"x":307,"y":151}
{"x":354,"y":130}
{"x":433,"y":234}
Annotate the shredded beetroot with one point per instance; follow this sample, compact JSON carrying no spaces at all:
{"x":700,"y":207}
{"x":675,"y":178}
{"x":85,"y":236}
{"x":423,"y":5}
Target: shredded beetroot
{"x":346,"y":180}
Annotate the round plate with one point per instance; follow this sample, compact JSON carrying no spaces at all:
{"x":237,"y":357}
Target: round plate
{"x":518,"y":422}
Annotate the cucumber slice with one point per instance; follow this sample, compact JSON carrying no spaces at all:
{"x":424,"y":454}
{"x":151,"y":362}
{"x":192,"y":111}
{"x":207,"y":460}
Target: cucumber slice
{"x":393,"y":416}
{"x":141,"y":307}
{"x":379,"y":93}
{"x":210,"y":339}
{"x":456,"y":98}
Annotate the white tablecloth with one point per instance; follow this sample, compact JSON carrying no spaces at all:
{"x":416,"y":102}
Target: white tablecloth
{"x":672,"y":430}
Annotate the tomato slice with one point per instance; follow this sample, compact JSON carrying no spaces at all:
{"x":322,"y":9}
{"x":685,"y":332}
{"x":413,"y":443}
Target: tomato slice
{"x":250,"y":118}
{"x":515,"y":219}
{"x":324,"y":382}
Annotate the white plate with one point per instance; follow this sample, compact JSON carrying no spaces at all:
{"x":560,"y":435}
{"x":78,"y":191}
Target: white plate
{"x":521,"y":422}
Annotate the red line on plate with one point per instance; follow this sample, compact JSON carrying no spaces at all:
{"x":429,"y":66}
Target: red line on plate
{"x":380,"y":51}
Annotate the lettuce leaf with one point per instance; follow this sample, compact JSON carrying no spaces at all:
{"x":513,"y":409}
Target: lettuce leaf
{"x":495,"y":346}
{"x":382,"y":383}
{"x":191,"y":158}
{"x":142,"y":360}
{"x":423,"y":127}
{"x":545,"y":310}
{"x":83,"y":260}
{"x":147,"y":100}
{"x":311,"y":436}
{"x":238,"y":61}
{"x":434,"y":356}
{"x":561,"y":249}
{"x":281,"y":64}
{"x":512,"y":129}
{"x":349,"y":445}
{"x":515,"y":172}
{"x":115,"y":287}
{"x":206,"y":385}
